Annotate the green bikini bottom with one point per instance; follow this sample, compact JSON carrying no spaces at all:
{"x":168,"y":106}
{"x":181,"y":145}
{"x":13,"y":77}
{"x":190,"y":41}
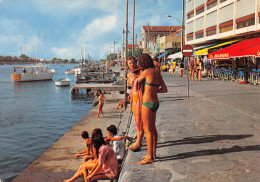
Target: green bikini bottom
{"x":153,"y":106}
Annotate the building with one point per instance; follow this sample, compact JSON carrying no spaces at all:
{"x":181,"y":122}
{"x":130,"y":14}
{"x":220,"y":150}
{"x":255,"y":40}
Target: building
{"x":171,"y":42}
{"x":212,"y":20}
{"x":150,"y":34}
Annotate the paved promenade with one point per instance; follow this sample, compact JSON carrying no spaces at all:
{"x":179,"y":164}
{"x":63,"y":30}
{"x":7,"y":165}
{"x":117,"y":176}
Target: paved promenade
{"x":212,"y":136}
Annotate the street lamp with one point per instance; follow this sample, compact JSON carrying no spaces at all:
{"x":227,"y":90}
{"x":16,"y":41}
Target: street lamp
{"x":182,"y":28}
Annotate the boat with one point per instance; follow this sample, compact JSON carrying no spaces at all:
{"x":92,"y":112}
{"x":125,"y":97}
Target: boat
{"x":62,"y":82}
{"x":39,"y":72}
{"x":69,"y":72}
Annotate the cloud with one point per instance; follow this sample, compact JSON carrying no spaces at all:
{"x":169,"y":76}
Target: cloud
{"x":76,"y":6}
{"x":97,"y":28}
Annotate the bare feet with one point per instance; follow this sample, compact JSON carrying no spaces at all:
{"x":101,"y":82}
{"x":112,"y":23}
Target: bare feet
{"x":134,"y":147}
{"x":145,"y":161}
{"x":96,"y":116}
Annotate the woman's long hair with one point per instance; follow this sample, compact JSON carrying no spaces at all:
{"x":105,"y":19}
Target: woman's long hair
{"x":97,"y":138}
{"x":145,"y":61}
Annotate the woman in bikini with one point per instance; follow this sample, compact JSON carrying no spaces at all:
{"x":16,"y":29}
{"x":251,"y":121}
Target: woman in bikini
{"x":154,"y":84}
{"x":134,"y":95}
{"x":100,"y":103}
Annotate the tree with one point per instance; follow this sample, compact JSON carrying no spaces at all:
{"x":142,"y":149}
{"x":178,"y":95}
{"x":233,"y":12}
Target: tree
{"x":111,"y":56}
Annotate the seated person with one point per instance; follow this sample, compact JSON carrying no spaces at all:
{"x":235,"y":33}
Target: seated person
{"x":105,"y":166}
{"x":88,"y":152}
{"x":122,"y":102}
{"x":116,"y":141}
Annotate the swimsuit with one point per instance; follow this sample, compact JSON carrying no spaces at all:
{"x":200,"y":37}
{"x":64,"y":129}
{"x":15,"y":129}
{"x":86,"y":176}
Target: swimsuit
{"x":153,"y":106}
{"x":101,"y":103}
{"x":151,"y":84}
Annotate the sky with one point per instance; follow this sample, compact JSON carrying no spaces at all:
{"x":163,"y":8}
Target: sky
{"x":60,"y":28}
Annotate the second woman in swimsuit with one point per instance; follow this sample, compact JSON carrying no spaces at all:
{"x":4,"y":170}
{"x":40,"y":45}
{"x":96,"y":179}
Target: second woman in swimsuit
{"x":153,"y":84}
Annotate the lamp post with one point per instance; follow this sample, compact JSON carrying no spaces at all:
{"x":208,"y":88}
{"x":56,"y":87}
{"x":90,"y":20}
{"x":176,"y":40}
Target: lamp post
{"x":126,"y":45}
{"x":133,"y":48}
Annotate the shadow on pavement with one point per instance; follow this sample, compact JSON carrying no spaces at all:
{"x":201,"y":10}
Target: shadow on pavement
{"x":202,"y":139}
{"x":211,"y":152}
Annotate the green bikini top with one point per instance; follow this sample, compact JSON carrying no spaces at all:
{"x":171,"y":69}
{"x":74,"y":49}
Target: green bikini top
{"x":151,"y":84}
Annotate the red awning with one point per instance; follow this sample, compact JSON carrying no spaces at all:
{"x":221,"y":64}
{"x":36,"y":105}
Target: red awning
{"x":248,"y":47}
{"x":249,"y":51}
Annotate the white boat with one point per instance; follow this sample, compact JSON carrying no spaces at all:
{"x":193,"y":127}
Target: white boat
{"x":62,"y":82}
{"x":69,"y":72}
{"x":39,"y":72}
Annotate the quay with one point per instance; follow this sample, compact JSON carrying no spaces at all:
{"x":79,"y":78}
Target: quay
{"x":95,"y":87}
{"x":212,"y":136}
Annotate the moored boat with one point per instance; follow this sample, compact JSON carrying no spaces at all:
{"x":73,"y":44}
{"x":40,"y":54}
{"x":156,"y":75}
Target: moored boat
{"x":69,"y":72}
{"x":62,"y":82}
{"x":39,"y":72}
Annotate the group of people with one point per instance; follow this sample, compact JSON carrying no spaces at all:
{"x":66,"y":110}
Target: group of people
{"x":145,"y":80}
{"x":195,"y":67}
{"x":100,"y":160}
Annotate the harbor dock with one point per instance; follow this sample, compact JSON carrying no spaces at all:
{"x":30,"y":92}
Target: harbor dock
{"x":95,"y":87}
{"x":214,"y":135}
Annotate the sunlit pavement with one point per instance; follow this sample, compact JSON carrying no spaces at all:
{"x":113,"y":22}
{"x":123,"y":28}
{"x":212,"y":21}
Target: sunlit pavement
{"x":214,"y":135}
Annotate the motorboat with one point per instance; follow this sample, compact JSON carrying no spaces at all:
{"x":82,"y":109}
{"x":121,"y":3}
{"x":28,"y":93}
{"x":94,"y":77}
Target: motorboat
{"x":39,"y":72}
{"x":62,"y":82}
{"x":69,"y":72}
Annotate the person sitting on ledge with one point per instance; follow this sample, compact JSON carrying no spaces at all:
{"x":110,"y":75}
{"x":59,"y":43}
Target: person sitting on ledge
{"x":116,"y":141}
{"x":122,"y":102}
{"x":104,"y":167}
{"x":88,"y":152}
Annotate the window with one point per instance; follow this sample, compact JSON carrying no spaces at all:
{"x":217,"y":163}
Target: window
{"x":190,"y":15}
{"x":226,"y":28}
{"x":211,"y":5}
{"x":211,"y":32}
{"x":201,"y":10}
{"x":201,"y":35}
{"x":221,"y":1}
{"x":246,"y":23}
{"x":189,"y":38}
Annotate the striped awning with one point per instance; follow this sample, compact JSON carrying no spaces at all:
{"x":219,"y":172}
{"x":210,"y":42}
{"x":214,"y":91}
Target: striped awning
{"x":206,"y":50}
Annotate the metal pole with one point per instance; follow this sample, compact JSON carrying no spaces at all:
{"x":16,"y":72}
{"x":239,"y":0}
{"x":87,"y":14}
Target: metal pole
{"x":148,"y":38}
{"x":126,"y":44}
{"x":182,"y":19}
{"x":133,"y":48}
{"x":123,"y":54}
{"x":188,"y":82}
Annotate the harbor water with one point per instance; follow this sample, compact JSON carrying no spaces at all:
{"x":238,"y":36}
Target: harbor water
{"x":33,"y":116}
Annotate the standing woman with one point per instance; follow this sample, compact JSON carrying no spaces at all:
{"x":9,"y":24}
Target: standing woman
{"x":100,"y":103}
{"x":153,"y":84}
{"x":135,"y":99}
{"x":198,"y":74}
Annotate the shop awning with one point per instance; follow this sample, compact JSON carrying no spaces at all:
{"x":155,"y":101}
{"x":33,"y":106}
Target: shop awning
{"x":248,"y":47}
{"x":205,"y":51}
{"x":175,"y":55}
{"x":163,"y":54}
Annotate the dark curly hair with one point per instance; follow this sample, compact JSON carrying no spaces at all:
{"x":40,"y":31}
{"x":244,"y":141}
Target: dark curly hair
{"x":145,"y":61}
{"x":97,"y":138}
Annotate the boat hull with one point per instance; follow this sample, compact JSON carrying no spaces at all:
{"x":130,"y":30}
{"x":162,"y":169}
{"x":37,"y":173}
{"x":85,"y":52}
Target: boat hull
{"x":62,"y":83}
{"x":18,"y":77}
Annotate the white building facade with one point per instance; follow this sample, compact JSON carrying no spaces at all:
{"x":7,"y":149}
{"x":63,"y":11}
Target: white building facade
{"x":209,"y":20}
